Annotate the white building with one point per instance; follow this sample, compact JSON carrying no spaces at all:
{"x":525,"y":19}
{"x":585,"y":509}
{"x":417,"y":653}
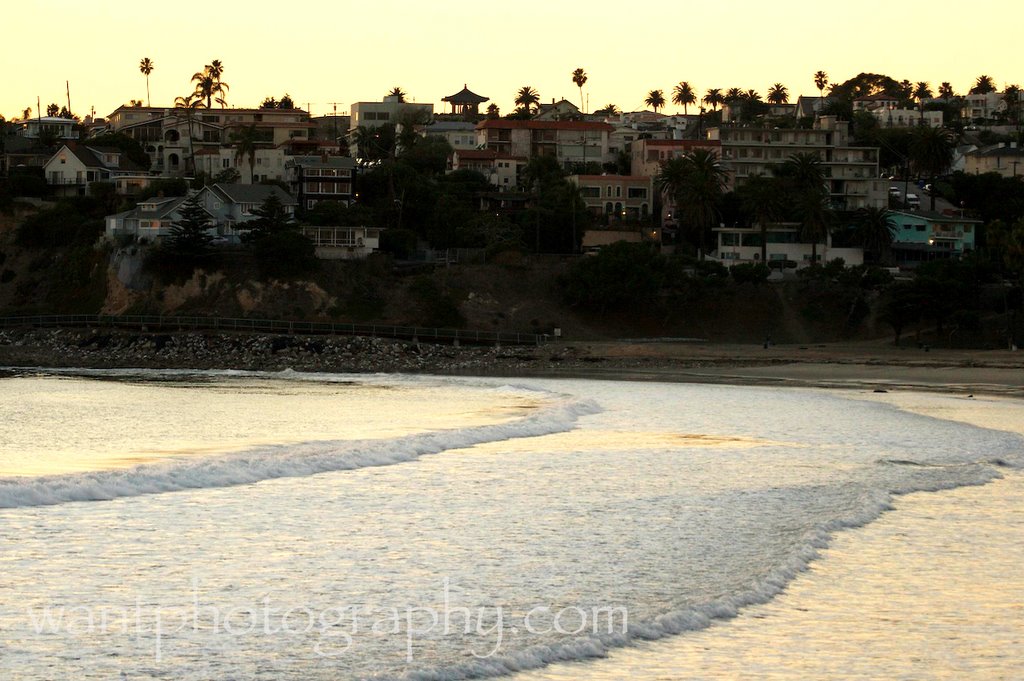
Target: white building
{"x":785,"y":247}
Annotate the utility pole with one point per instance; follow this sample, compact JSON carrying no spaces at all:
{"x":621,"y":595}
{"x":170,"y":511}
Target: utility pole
{"x":67,"y":84}
{"x":335,"y":105}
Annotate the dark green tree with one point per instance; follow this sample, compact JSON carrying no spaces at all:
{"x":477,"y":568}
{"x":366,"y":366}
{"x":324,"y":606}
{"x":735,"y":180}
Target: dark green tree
{"x":189,"y":237}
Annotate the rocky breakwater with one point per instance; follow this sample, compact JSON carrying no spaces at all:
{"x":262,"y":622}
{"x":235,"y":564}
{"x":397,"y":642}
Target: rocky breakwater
{"x":101,"y":348}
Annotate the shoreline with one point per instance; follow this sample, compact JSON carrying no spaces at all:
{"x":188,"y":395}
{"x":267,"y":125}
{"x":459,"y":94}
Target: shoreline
{"x":857,"y":366}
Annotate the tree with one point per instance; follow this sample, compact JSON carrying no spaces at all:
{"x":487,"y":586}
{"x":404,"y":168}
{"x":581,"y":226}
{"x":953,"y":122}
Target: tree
{"x":810,"y":197}
{"x":579,"y":76}
{"x":922,"y":91}
{"x":761,"y":197}
{"x":286,"y":102}
{"x":397,"y":92}
{"x":246,"y":143}
{"x":683,"y":94}
{"x":146,"y":67}
{"x":1011,"y":97}
{"x":52,"y":110}
{"x":189,"y":103}
{"x":209,"y":85}
{"x":696,"y":182}
{"x":713,"y":98}
{"x":493,"y":111}
{"x":269,"y":103}
{"x":874,"y":231}
{"x":655,"y":100}
{"x":527,"y":98}
{"x":820,"y":82}
{"x":189,"y":237}
{"x":609,"y":110}
{"x":931,"y":153}
{"x":983,"y":85}
{"x":778,"y":94}
{"x":946,"y":91}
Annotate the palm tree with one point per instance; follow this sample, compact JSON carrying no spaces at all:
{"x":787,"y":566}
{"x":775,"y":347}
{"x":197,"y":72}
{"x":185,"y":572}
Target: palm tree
{"x":246,"y":143}
{"x":655,"y":100}
{"x":922,"y":91}
{"x":611,"y":110}
{"x":1012,"y":99}
{"x":820,"y":82}
{"x":811,"y":198}
{"x":527,"y":98}
{"x":931,"y":153}
{"x":189,"y":103}
{"x":761,"y":198}
{"x":713,"y":98}
{"x":209,"y":85}
{"x":946,"y":91}
{"x":579,"y":76}
{"x":493,"y":111}
{"x":875,"y":231}
{"x":696,"y":182}
{"x":752,"y":96}
{"x":397,"y":92}
{"x":146,"y":67}
{"x":683,"y":94}
{"x":778,"y":94}
{"x":983,"y":85}
{"x":733,"y":95}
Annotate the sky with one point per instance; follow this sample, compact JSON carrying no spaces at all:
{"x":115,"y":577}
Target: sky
{"x":331,"y":53}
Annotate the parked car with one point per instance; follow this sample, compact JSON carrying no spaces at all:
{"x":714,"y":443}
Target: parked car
{"x":913,"y":201}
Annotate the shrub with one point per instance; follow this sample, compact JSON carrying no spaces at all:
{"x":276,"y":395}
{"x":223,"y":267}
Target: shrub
{"x":749,"y":272}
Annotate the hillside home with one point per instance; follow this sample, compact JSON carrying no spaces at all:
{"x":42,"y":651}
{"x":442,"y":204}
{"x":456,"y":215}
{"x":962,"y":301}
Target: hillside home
{"x":616,"y":198}
{"x":786,"y":249}
{"x":322,"y":178}
{"x":71,"y":170}
{"x":1002,"y":158}
{"x":232,"y":204}
{"x":921,"y":236}
{"x":567,"y":141}
{"x":150,"y":220}
{"x":500,"y":169}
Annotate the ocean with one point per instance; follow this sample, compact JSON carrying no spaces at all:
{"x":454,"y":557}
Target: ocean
{"x":233,"y":525}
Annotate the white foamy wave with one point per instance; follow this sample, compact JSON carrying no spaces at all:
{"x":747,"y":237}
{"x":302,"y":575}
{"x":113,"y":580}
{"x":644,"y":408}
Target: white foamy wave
{"x":281,"y":461}
{"x":873,"y":504}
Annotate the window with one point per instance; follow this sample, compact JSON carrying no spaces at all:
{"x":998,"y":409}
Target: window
{"x":225,"y":163}
{"x":730,"y":239}
{"x":618,"y":191}
{"x":637,"y":193}
{"x":730,"y":256}
{"x":968,"y":229}
{"x":590,"y":192}
{"x":919,"y":228}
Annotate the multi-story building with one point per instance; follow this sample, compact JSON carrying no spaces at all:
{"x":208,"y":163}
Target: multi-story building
{"x":268,"y":163}
{"x":1002,"y":158}
{"x":786,"y":249}
{"x":49,"y":126}
{"x":648,"y":155}
{"x":851,"y":171}
{"x":171,"y":135}
{"x":569,"y":142}
{"x":458,"y":134}
{"x":322,"y":178}
{"x":922,"y":235}
{"x":890,"y":114}
{"x":617,"y":198}
{"x":390,"y":110}
{"x":500,"y":169}
{"x":75,"y":166}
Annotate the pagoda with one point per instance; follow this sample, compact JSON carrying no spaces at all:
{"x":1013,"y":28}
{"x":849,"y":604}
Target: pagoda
{"x":465,"y":101}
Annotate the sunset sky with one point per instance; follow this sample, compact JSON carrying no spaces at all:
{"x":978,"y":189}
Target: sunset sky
{"x":323,"y":51}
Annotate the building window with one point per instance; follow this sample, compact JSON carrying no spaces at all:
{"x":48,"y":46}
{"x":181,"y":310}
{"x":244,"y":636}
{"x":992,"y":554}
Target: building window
{"x":637,"y":193}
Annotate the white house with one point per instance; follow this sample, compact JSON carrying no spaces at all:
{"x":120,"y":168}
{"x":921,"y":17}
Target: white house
{"x":743,"y":245}
{"x":342,"y":243}
{"x":75,"y":166}
{"x":232,"y":204}
{"x":151,"y":219}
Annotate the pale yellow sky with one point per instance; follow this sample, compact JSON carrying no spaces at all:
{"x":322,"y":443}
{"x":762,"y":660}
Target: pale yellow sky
{"x":323,"y":51}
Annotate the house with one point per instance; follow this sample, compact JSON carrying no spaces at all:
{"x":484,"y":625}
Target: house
{"x":1002,"y":158}
{"x":852,"y":171}
{"x":391,"y":110}
{"x":322,"y":178}
{"x":569,"y":142}
{"x":501,"y":169}
{"x":233,"y":204}
{"x":647,"y":155}
{"x":922,"y":236}
{"x":268,"y":163}
{"x":342,"y":243}
{"x":809,"y":107}
{"x":785,"y":247}
{"x":617,"y":198}
{"x":562,"y":110}
{"x":151,"y":220}
{"x":49,"y":126}
{"x":458,"y":134}
{"x":75,"y":166}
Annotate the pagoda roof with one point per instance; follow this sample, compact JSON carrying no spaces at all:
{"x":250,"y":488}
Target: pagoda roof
{"x":465,"y":96}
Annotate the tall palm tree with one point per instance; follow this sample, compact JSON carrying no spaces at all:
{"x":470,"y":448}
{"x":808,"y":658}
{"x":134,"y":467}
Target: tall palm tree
{"x":683,"y":94}
{"x":810,"y":197}
{"x":1012,"y":99}
{"x":246,"y":143}
{"x":713,"y":98}
{"x":655,"y":100}
{"x":611,"y":109}
{"x":696,"y":182}
{"x":761,"y":197}
{"x":209,"y":86}
{"x":527,"y":98}
{"x":946,"y":91}
{"x":922,"y":91}
{"x":875,"y":230}
{"x":931,"y":153}
{"x":733,"y":95}
{"x":189,"y":103}
{"x":397,"y":92}
{"x":146,"y":67}
{"x":983,"y":85}
{"x":820,"y":82}
{"x":778,"y":94}
{"x":579,"y":76}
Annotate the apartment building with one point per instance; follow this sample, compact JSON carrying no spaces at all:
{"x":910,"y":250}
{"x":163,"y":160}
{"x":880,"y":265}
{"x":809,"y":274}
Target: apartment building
{"x":616,"y":197}
{"x":568,"y":141}
{"x":851,"y":171}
